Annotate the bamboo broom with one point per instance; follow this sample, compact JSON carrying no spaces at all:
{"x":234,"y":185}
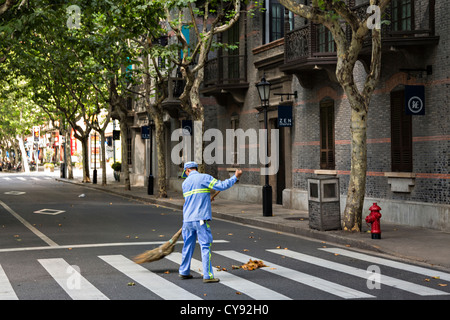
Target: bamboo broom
{"x":158,"y":253}
{"x":163,"y":250}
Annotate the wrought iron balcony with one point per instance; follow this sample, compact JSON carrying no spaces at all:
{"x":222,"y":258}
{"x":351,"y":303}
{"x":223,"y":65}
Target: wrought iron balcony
{"x":411,"y":23}
{"x":225,"y":73}
{"x":171,"y":104}
{"x":306,"y":48}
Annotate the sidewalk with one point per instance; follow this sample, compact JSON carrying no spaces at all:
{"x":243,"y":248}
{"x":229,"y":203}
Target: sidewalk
{"x":426,"y":246}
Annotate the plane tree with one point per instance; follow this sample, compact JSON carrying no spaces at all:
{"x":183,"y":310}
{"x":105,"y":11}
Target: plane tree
{"x":336,"y":16}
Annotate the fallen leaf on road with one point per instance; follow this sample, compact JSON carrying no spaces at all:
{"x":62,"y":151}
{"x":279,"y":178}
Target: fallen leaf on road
{"x":130,"y":284}
{"x":442,"y":284}
{"x":253,"y":264}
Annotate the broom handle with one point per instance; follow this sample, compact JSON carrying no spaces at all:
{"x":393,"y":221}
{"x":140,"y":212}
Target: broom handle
{"x":214,"y":195}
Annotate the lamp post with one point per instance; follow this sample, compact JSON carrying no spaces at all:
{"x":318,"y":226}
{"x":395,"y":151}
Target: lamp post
{"x":150,"y":176}
{"x":94,"y":180}
{"x":264,"y":93}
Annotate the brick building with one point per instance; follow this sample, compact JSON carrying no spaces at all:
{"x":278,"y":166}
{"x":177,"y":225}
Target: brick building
{"x":408,"y":155}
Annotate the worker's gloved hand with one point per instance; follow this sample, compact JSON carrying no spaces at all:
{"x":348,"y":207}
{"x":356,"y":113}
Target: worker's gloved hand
{"x":238,"y":173}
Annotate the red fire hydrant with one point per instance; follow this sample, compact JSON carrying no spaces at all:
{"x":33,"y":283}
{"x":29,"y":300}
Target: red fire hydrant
{"x":374,"y":219}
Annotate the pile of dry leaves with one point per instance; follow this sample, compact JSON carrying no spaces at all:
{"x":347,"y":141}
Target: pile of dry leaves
{"x":252,"y":265}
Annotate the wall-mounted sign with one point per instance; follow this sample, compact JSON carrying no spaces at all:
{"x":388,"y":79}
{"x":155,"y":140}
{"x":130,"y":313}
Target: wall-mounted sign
{"x":187,"y":127}
{"x":145,"y":132}
{"x":415,"y":100}
{"x":116,"y":134}
{"x":285,"y":116}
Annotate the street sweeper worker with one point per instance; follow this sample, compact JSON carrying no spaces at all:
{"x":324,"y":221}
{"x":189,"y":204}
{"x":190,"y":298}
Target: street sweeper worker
{"x":197,"y":216}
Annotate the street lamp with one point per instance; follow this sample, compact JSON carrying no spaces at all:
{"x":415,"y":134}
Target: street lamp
{"x":94,"y":181}
{"x":264,"y":94}
{"x":150,"y":176}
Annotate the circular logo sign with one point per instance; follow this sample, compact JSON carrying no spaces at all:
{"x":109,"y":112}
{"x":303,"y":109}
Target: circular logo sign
{"x":187,"y":130}
{"x":415,"y":104}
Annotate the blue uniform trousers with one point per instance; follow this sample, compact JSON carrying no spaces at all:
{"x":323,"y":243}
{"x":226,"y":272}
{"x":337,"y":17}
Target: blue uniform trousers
{"x":191,"y":231}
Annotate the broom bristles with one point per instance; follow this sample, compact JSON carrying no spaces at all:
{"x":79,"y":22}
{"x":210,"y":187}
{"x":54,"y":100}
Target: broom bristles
{"x":158,"y":253}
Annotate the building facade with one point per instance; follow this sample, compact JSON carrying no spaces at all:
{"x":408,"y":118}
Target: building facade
{"x":408,"y":156}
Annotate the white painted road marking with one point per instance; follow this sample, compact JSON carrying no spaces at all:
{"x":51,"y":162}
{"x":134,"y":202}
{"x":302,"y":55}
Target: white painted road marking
{"x":239,"y":284}
{"x":385,"y":280}
{"x":42,"y":236}
{"x":160,"y":286}
{"x":96,"y":245}
{"x":389,"y":263}
{"x":59,"y":270}
{"x":6,"y":290}
{"x":309,"y":280}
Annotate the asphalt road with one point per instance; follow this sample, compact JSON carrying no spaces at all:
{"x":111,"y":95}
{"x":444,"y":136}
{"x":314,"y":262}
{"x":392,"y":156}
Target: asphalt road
{"x":60,"y":241}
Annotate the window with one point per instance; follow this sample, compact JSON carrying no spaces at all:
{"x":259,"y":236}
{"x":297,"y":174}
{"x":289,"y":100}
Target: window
{"x":401,"y":134}
{"x":402,"y":15}
{"x":274,"y":21}
{"x":325,"y":41}
{"x":233,"y":54}
{"x":327,"y":135}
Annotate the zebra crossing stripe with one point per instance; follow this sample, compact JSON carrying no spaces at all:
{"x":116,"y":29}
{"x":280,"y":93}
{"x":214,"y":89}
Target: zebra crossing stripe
{"x":75,"y":285}
{"x":6,"y":290}
{"x":244,"y":286}
{"x":385,"y":280}
{"x":160,"y":286}
{"x":389,"y":263}
{"x":309,"y":280}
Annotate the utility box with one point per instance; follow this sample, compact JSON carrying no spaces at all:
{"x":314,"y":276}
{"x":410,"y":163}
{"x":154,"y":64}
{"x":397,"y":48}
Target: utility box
{"x":324,"y":203}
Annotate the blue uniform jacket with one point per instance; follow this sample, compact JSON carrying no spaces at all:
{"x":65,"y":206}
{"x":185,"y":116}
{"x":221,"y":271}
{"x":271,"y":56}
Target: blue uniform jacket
{"x":196,"y":193}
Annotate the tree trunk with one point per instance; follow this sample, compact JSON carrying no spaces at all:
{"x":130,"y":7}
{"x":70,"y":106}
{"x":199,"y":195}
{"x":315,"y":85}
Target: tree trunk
{"x":85,"y":156}
{"x":198,"y":114}
{"x":24,"y":154}
{"x":103,"y":159}
{"x":124,"y":144}
{"x":159,"y":137}
{"x":357,"y":185}
{"x":68,"y":155}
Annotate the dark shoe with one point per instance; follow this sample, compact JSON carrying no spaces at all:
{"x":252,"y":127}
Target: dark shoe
{"x":213,"y":280}
{"x":182,"y":276}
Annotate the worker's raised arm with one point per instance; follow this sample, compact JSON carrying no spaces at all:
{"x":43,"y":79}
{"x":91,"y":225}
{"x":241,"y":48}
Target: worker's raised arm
{"x":219,"y":185}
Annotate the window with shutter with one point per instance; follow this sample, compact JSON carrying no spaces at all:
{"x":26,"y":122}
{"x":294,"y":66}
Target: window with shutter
{"x":401,"y":134}
{"x":327,"y":135}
